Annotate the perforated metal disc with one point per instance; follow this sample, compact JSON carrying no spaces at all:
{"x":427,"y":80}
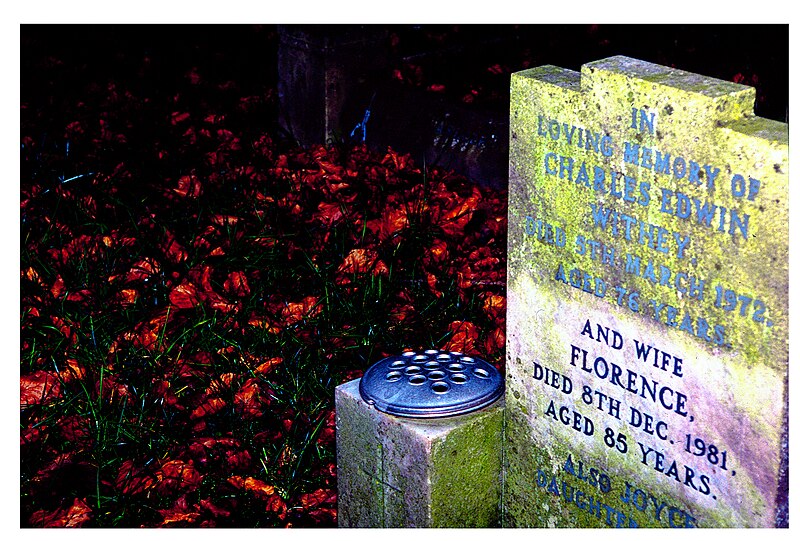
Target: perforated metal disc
{"x":429,"y":384}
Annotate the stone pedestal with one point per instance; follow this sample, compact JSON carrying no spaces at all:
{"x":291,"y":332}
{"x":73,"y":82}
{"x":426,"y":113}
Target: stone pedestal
{"x":400,"y":472}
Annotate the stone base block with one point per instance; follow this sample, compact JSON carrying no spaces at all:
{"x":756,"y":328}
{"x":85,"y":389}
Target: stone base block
{"x":397,"y":472}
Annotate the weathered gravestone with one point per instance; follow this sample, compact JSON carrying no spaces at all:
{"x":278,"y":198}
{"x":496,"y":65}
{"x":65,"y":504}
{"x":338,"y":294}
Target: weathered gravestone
{"x":647,"y":301}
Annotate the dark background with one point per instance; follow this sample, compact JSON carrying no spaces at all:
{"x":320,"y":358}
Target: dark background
{"x":456,"y":56}
{"x":440,"y":92}
{"x":450,"y":53}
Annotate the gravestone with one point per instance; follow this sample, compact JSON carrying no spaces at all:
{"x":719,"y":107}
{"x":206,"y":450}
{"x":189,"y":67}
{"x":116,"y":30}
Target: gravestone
{"x":647,"y":352}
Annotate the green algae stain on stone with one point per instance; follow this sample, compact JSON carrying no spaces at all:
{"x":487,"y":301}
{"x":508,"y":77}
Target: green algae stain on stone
{"x":647,"y":267}
{"x":468,"y":470}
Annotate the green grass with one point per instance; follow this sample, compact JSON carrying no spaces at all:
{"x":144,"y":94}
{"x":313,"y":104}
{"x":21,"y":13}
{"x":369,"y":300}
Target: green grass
{"x":140,"y":408}
{"x":148,"y":365}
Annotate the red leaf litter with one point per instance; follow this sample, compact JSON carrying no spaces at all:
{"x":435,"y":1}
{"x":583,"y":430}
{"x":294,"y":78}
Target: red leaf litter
{"x":184,"y":267}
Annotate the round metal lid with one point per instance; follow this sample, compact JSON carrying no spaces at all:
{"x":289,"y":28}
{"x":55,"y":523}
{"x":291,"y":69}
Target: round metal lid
{"x":430,"y":384}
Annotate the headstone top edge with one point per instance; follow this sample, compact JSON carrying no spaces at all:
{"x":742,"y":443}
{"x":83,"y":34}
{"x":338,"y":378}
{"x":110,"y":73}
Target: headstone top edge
{"x":664,"y":75}
{"x":761,"y":128}
{"x":554,"y":75}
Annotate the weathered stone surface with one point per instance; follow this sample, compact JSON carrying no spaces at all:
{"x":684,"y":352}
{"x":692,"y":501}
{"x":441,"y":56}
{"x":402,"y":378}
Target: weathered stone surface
{"x":400,"y":472}
{"x":647,"y":301}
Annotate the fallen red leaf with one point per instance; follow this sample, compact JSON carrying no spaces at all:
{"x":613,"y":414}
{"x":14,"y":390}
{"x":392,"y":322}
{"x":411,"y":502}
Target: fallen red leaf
{"x":437,"y":253}
{"x":133,"y":480}
{"x":189,"y":186}
{"x":208,"y":407}
{"x":221,"y":384}
{"x":388,"y":225}
{"x":177,"y":476}
{"x":224,"y":220}
{"x":275,"y":504}
{"x":149,"y":334}
{"x":181,"y":513}
{"x":176,"y":117}
{"x":75,"y":516}
{"x":297,"y":311}
{"x":31,"y":274}
{"x":360,"y":261}
{"x":143,"y":270}
{"x":495,"y":341}
{"x":495,"y":307}
{"x":238,"y":459}
{"x":79,"y":296}
{"x":464,"y":335}
{"x":268,"y":366}
{"x":126,"y":297}
{"x":40,"y":387}
{"x":216,"y":511}
{"x":74,"y":428}
{"x":431,"y":280}
{"x":329,"y":213}
{"x":259,"y":488}
{"x":236,"y":284}
{"x":31,"y":434}
{"x":402,"y":312}
{"x":318,"y":497}
{"x":264,"y":322}
{"x":328,"y":433}
{"x":324,"y":515}
{"x":173,"y":251}
{"x":458,"y":216}
{"x":113,"y":390}
{"x":248,"y":400}
{"x":185,"y":295}
{"x":73,"y":371}
{"x":58,"y":287}
{"x":178,"y":518}
{"x":217,"y":302}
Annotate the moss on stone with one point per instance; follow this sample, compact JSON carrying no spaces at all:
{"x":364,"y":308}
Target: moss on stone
{"x":466,"y":480}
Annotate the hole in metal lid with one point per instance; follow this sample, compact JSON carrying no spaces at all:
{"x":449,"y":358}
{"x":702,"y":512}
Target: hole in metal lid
{"x":437,"y":384}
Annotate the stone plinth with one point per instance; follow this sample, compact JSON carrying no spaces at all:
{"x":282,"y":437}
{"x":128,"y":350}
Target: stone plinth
{"x":401,"y":472}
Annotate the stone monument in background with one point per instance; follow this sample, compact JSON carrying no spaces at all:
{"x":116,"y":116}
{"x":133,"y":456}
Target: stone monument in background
{"x":647,"y":352}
